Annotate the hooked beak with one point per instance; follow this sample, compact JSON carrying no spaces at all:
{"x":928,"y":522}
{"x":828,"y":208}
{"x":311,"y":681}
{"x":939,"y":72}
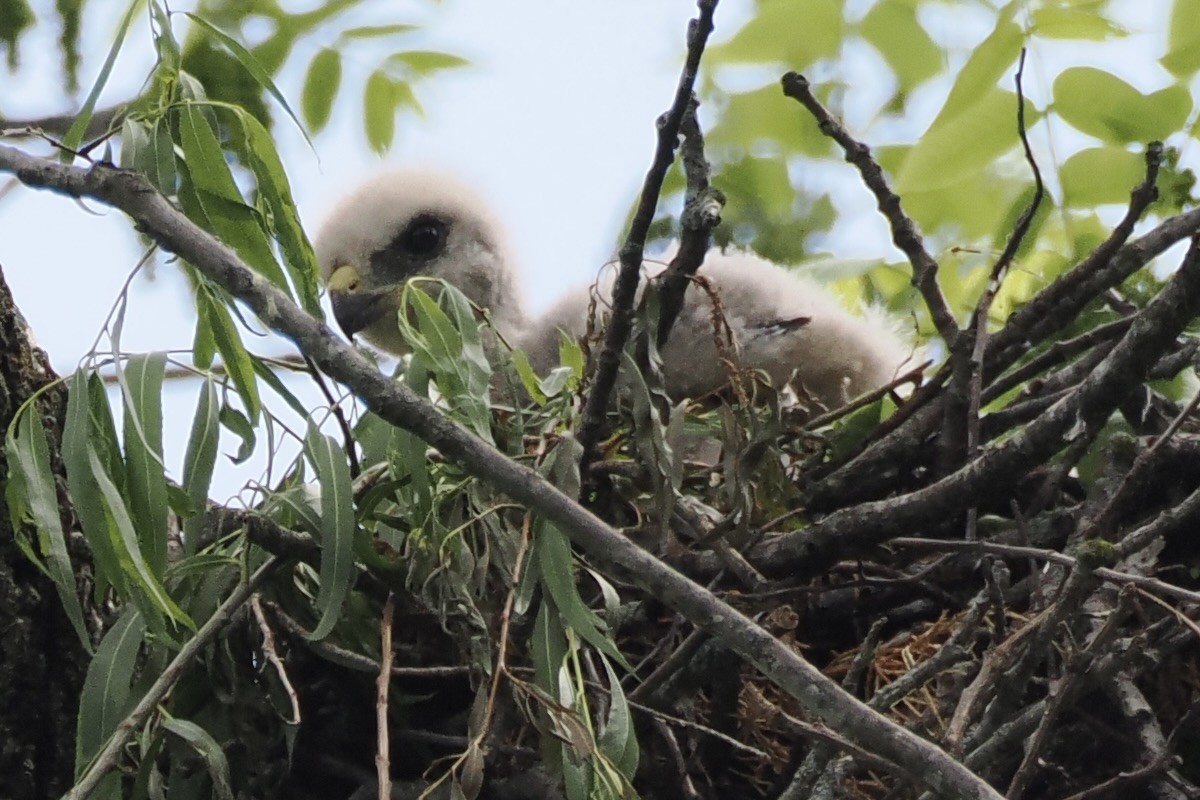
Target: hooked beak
{"x":354,"y":308}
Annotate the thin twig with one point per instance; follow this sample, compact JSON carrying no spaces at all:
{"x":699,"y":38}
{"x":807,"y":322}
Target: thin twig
{"x":904,"y":230}
{"x":272,"y":654}
{"x":620,"y":321}
{"x":383,"y":769}
{"x":110,"y":754}
{"x":1152,"y":585}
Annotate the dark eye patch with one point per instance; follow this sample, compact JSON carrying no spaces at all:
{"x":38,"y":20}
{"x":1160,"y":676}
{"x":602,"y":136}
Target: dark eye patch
{"x":422,"y":240}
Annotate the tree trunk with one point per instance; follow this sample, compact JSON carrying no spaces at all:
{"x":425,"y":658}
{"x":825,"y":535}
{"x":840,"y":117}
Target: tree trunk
{"x":42,"y":663}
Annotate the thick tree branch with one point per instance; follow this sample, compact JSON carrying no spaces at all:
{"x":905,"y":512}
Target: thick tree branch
{"x":816,"y":694}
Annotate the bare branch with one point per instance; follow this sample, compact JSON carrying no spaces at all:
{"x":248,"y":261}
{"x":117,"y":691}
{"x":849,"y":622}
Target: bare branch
{"x":904,"y":231}
{"x":620,"y":322}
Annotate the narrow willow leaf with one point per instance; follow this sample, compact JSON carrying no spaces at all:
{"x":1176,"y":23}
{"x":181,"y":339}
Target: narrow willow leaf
{"x":209,"y":751}
{"x":74,"y":136}
{"x":204,"y":343}
{"x":137,"y":151}
{"x":558,"y":578}
{"x":251,"y":65}
{"x":147,"y":480}
{"x":237,"y":361}
{"x":31,"y":494}
{"x":321,"y":86}
{"x":276,"y":192}
{"x":548,"y":649}
{"x":104,"y":430}
{"x":105,"y":699}
{"x":140,"y":578}
{"x":375,"y":31}
{"x":618,"y":741}
{"x":215,"y":201}
{"x":198,"y":462}
{"x":85,"y":494}
{"x":424,"y":62}
{"x":163,"y":175}
{"x":448,"y":343}
{"x":239,"y":425}
{"x":379,"y":111}
{"x":337,"y":527}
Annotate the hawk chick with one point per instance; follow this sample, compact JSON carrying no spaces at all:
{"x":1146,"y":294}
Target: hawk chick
{"x":412,"y":223}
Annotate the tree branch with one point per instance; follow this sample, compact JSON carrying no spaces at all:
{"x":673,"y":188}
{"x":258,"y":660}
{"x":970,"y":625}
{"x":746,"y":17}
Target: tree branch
{"x":851,"y":530}
{"x":620,"y":322}
{"x":904,"y":231}
{"x":816,"y":694}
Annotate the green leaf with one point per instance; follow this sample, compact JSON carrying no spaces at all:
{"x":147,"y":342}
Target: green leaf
{"x":994,"y":56}
{"x":1102,"y":105}
{"x":199,"y":460}
{"x":15,"y":18}
{"x":449,"y":345}
{"x":141,"y":582}
{"x":1100,"y":175}
{"x":276,"y":192}
{"x":1079,"y":23}
{"x":70,"y":12}
{"x":208,"y":749}
{"x":771,"y":34}
{"x":893,"y":29}
{"x":1183,"y":39}
{"x":375,"y":31}
{"x":105,"y":699}
{"x":211,"y":196}
{"x":558,"y":578}
{"x":239,"y":425}
{"x":31,"y":495}
{"x":147,"y":488}
{"x":321,"y":87}
{"x":750,"y":117}
{"x":85,"y":494}
{"x":74,"y":136}
{"x":424,"y":62}
{"x":251,"y":65}
{"x":379,"y":109}
{"x":957,"y":147}
{"x":238,"y":363}
{"x":618,"y":741}
{"x":337,"y":527}
{"x":148,"y":149}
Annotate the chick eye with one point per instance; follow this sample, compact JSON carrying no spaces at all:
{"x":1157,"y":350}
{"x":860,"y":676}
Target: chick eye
{"x":424,"y":237}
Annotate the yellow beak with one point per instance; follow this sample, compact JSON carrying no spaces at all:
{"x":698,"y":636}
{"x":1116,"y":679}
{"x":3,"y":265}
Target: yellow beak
{"x":354,"y":307}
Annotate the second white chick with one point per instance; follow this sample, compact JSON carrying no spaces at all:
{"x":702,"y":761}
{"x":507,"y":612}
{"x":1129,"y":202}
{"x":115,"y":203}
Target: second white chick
{"x":785,"y":326}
